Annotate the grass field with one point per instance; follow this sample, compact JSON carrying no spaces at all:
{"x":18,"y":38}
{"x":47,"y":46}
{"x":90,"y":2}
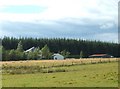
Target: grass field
{"x":87,"y":75}
{"x":48,"y":66}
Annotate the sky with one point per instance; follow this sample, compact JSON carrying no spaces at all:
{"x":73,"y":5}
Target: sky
{"x":77,"y":19}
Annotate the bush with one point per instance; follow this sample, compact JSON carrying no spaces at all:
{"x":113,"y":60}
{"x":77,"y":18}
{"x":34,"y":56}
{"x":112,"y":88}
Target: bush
{"x":5,"y":55}
{"x":16,"y":55}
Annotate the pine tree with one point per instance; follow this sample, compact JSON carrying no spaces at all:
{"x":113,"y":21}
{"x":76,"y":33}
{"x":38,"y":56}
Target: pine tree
{"x":37,"y":54}
{"x":45,"y":52}
{"x":20,"y":47}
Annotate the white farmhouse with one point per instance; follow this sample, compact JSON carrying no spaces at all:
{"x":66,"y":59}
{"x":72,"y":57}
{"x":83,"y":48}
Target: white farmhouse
{"x":58,"y":56}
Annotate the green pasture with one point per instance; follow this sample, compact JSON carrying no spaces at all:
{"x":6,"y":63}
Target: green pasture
{"x":90,"y":75}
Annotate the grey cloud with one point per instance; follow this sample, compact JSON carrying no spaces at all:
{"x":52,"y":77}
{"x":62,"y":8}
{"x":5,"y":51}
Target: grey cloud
{"x":57,"y":29}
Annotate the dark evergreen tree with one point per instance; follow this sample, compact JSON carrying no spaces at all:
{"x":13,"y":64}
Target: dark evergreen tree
{"x":59,"y":44}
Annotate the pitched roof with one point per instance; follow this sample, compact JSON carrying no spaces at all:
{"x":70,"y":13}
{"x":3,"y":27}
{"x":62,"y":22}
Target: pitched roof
{"x":98,"y":54}
{"x":56,"y":54}
{"x":31,"y":49}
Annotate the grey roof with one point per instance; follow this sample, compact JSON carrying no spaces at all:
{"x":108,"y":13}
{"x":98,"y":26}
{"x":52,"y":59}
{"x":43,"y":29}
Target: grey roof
{"x":57,"y":54}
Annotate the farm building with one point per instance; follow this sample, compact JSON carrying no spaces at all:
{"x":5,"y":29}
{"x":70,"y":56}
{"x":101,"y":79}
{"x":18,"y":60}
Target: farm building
{"x":58,"y":56}
{"x":100,"y":56}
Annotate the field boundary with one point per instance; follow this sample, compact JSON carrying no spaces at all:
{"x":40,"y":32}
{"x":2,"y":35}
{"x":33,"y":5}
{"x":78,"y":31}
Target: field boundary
{"x":47,"y":66}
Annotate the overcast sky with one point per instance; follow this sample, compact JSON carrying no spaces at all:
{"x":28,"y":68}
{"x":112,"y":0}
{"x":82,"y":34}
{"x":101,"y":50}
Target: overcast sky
{"x":85,"y":19}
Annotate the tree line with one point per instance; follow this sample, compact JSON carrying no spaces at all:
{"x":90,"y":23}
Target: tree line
{"x":31,"y":54}
{"x":74,"y":47}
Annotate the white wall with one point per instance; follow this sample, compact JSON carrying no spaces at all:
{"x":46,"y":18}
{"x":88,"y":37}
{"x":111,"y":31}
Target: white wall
{"x":58,"y":57}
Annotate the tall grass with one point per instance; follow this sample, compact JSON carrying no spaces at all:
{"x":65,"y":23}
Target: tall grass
{"x":49,"y":66}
